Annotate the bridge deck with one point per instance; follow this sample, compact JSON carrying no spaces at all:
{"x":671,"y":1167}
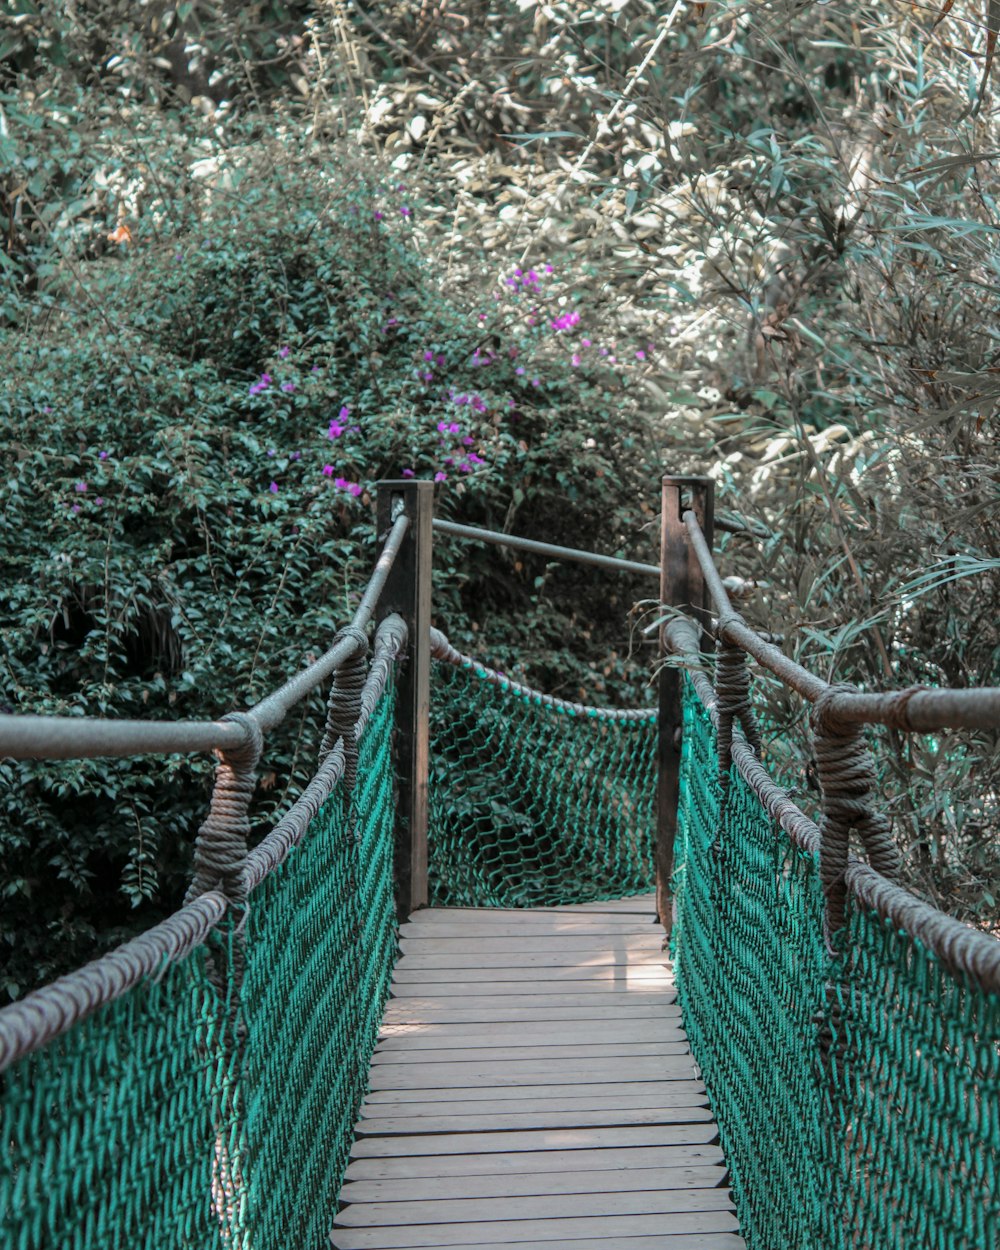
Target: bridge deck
{"x":533,"y":1087}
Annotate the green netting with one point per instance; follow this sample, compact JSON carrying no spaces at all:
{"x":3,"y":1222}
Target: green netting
{"x":531,"y":804}
{"x":914,"y":1147}
{"x":121,"y":1132}
{"x":185,"y":1117}
{"x":886,"y":1137}
{"x":749,"y":961}
{"x":321,"y":943}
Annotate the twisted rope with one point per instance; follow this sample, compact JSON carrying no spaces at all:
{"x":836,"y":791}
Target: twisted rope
{"x":344,"y":707}
{"x":220,"y":850}
{"x":846,"y":772}
{"x":732,"y":690}
{"x":27,"y":1025}
{"x":442,"y":650}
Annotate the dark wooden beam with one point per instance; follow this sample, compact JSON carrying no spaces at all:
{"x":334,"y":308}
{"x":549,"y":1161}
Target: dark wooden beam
{"x":408,"y":592}
{"x":681,"y":586}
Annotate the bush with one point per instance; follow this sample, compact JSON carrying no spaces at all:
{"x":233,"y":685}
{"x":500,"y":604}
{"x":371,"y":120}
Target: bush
{"x":194,"y":430}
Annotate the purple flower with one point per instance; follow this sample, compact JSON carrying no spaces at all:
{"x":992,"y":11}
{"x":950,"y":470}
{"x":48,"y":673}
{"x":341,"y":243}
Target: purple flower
{"x":407,"y":473}
{"x":266,"y":379}
{"x":519,"y":370}
{"x":288,"y":387}
{"x":468,"y":440}
{"x":335,"y":430}
{"x":474,"y":459}
{"x":479,"y":403}
{"x":429,"y":355}
{"x":585,"y":342}
{"x":355,"y":488}
{"x":314,"y":369}
{"x":271,"y":451}
{"x":283,"y":352}
{"x":99,"y":501}
{"x":328,"y":470}
{"x":102,"y":455}
{"x":404,"y":210}
{"x":567,"y":321}
{"x":75,"y":508}
{"x":296,"y":455}
{"x":575,"y":360}
{"x":440,"y":476}
{"x":378,"y":215}
{"x":273,"y":488}
{"x":640,"y":355}
{"x":428,"y":376}
{"x":81,"y":487}
{"x":344,"y":413}
{"x":341,"y":483}
{"x":536,"y":381}
{"x":548,"y":268}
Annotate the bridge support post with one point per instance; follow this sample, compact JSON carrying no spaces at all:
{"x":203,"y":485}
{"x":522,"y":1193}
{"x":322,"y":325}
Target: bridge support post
{"x":408,"y":592}
{"x":681,"y":586}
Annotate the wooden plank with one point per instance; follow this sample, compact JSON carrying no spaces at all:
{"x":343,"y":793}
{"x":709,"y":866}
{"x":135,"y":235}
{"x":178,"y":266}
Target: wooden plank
{"x":535,"y":1119}
{"x":569,"y":1094}
{"x":697,"y":1176}
{"x":609,"y":1230}
{"x":531,"y":941}
{"x":572,"y":930}
{"x":431,"y":1011}
{"x":544,"y":1033}
{"x":554,"y":1139}
{"x":500,"y":1105}
{"x":659,"y":1241}
{"x":643,"y":992}
{"x":544,"y":975}
{"x":522,"y":964}
{"x":533,"y":1207}
{"x":639,"y":903}
{"x":536,"y":1072}
{"x":500,"y":1165}
{"x":516,"y":1054}
{"x":535,"y":957}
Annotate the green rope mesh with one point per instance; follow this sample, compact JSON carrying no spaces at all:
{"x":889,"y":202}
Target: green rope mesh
{"x":321,"y":943}
{"x":531,"y":804}
{"x":858,"y":1097}
{"x":914,"y":1151}
{"x":173,"y":1120}
{"x":121,"y":1133}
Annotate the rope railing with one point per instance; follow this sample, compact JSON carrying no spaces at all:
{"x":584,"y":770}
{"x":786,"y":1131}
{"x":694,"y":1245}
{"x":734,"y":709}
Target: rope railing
{"x":920,"y":709}
{"x":86,"y":737}
{"x":191,"y":1056}
{"x":847,"y":1031}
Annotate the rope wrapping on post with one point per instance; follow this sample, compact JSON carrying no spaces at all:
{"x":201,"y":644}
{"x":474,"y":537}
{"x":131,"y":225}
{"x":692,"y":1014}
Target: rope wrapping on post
{"x":344,"y":706}
{"x":732,"y":690}
{"x":220,"y":850}
{"x":846,"y":772}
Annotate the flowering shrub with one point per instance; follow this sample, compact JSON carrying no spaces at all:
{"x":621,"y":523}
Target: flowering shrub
{"x":187,"y":518}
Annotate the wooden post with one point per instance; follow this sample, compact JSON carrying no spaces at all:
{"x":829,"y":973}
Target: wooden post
{"x":681,"y":586}
{"x":408,"y":592}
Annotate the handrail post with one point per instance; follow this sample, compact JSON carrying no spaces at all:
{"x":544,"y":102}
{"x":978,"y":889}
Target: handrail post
{"x":408,"y":592}
{"x":681,"y":586}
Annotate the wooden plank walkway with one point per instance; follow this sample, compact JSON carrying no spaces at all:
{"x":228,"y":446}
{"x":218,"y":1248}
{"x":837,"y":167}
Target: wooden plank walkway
{"x":533,"y":1087}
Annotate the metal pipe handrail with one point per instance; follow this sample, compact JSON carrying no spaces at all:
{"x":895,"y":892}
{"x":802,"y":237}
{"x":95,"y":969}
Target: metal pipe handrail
{"x":545,"y":549}
{"x":271,"y":711}
{"x":918,"y":709}
{"x":85,"y":737}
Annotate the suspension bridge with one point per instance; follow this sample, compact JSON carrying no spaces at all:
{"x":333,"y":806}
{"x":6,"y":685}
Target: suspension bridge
{"x":433,"y":1006}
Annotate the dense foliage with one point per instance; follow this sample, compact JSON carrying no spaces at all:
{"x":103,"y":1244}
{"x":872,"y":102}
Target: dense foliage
{"x":257,"y":257}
